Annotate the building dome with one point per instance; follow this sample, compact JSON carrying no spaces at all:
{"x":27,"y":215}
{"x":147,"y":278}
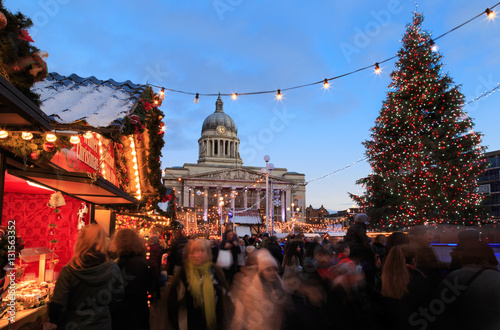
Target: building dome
{"x":218,"y":118}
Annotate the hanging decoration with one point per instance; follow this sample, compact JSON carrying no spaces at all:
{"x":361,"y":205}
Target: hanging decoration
{"x":82,"y":212}
{"x":55,"y":202}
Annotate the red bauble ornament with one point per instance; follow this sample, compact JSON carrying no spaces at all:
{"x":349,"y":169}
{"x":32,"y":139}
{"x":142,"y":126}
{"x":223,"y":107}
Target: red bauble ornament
{"x":3,"y":20}
{"x":34,"y":155}
{"x":49,"y":147}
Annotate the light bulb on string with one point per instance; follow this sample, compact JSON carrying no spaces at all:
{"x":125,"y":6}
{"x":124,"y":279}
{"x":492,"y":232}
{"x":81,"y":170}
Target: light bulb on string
{"x":162,"y":93}
{"x":197,"y":98}
{"x":4,"y":134}
{"x":377,"y":68}
{"x":433,"y":45}
{"x":490,"y":13}
{"x":234,"y":96}
{"x":326,"y":84}
{"x":278,"y":95}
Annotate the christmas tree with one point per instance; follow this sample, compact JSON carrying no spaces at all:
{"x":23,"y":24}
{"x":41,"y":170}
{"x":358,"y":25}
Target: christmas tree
{"x":425,"y":156}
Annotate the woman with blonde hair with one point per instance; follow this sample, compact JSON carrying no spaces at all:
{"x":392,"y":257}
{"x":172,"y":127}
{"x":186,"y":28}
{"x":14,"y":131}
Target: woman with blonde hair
{"x":197,"y":296}
{"x":87,"y":284}
{"x":130,"y":251}
{"x":404,"y":287}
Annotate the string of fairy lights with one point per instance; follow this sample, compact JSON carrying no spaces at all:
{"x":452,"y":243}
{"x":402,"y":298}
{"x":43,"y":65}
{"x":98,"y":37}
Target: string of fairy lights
{"x":489,"y":12}
{"x":401,"y":140}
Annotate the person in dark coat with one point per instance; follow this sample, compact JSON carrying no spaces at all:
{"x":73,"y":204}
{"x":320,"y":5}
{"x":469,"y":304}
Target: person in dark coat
{"x":154,"y":262}
{"x":427,"y":260}
{"x":198,"y":298}
{"x":276,"y":251}
{"x":87,"y":285}
{"x":133,"y":312}
{"x":404,"y":289}
{"x":175,"y":256}
{"x":361,"y":250}
{"x":468,"y":298}
{"x":230,"y":242}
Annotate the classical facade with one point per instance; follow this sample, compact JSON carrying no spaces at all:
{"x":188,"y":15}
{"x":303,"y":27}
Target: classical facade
{"x":220,"y":182}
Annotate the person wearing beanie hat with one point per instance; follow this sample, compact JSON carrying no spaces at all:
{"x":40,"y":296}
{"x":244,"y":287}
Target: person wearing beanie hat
{"x":262,"y":303}
{"x":362,"y":218}
{"x":362,"y":251}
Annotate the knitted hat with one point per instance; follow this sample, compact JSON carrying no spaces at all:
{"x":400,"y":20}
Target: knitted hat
{"x":363,"y":218}
{"x":265,"y":260}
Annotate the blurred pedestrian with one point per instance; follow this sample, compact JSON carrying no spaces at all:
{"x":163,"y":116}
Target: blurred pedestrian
{"x":87,"y":284}
{"x":154,"y":262}
{"x":133,"y":311}
{"x":197,"y":298}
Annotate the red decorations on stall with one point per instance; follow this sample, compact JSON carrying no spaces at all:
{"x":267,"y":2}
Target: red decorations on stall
{"x":49,"y":147}
{"x":24,"y":35}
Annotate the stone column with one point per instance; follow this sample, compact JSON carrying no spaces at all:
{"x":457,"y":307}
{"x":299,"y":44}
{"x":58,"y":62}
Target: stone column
{"x":191,"y":197}
{"x":245,"y":198}
{"x":205,"y":203}
{"x":283,"y":206}
{"x":185,"y":195}
{"x":288,"y":197}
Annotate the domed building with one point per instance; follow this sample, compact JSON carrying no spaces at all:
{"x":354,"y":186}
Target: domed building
{"x":219,"y":177}
{"x":219,"y":143}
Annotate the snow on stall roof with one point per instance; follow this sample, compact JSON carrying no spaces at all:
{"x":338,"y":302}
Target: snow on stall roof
{"x":99,"y":103}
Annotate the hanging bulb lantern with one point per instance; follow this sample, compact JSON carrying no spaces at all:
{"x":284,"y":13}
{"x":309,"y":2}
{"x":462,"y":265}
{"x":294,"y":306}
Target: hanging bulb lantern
{"x":197,"y":98}
{"x":50,"y":137}
{"x":234,"y":96}
{"x":490,"y":13}
{"x":4,"y":134}
{"x":433,"y":45}
{"x":377,"y":68}
{"x":326,"y":84}
{"x":27,"y":136}
{"x":74,"y":139}
{"x":88,"y":135}
{"x":162,"y":93}
{"x":278,"y":95}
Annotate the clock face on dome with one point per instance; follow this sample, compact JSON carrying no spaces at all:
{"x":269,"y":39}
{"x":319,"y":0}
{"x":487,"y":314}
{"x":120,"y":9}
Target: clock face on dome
{"x":221,"y":129}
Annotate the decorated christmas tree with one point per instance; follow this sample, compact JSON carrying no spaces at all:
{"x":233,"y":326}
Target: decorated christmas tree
{"x":425,"y":156}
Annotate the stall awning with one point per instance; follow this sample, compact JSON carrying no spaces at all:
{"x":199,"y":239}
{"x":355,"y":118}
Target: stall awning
{"x":17,"y":112}
{"x":248,"y":217}
{"x":78,"y":185}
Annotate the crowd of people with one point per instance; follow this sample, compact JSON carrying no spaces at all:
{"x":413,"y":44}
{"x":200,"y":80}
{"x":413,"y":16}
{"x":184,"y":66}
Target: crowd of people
{"x":393,"y":282}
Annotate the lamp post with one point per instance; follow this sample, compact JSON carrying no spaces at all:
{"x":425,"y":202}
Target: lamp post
{"x":266,"y":171}
{"x":221,"y":203}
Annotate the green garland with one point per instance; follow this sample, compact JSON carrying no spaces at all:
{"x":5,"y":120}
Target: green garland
{"x":36,"y":150}
{"x":145,"y":117}
{"x":15,"y":49}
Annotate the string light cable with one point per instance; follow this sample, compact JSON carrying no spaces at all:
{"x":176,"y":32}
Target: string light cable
{"x":325,"y":82}
{"x":396,"y":143}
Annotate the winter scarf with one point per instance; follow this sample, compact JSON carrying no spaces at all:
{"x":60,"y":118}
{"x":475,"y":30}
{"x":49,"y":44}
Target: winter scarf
{"x":201,"y":287}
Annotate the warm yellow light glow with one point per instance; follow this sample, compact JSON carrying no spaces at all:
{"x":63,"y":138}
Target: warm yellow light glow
{"x":490,"y":13}
{"x":278,"y":95}
{"x":326,"y":84}
{"x":133,"y":153}
{"x":234,"y":96}
{"x":88,"y":135}
{"x":377,"y":68}
{"x":50,"y":137}
{"x":27,"y":136}
{"x":162,"y":93}
{"x":134,"y":160}
{"x":136,"y":173}
{"x":135,"y":167}
{"x":74,"y":139}
{"x":3,"y":134}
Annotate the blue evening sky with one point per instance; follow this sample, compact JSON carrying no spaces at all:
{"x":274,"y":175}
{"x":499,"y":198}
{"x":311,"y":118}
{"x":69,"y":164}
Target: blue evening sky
{"x":245,"y":46}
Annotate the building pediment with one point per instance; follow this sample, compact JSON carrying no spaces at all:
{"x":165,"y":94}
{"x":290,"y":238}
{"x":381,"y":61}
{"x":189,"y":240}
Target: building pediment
{"x":237,"y":174}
